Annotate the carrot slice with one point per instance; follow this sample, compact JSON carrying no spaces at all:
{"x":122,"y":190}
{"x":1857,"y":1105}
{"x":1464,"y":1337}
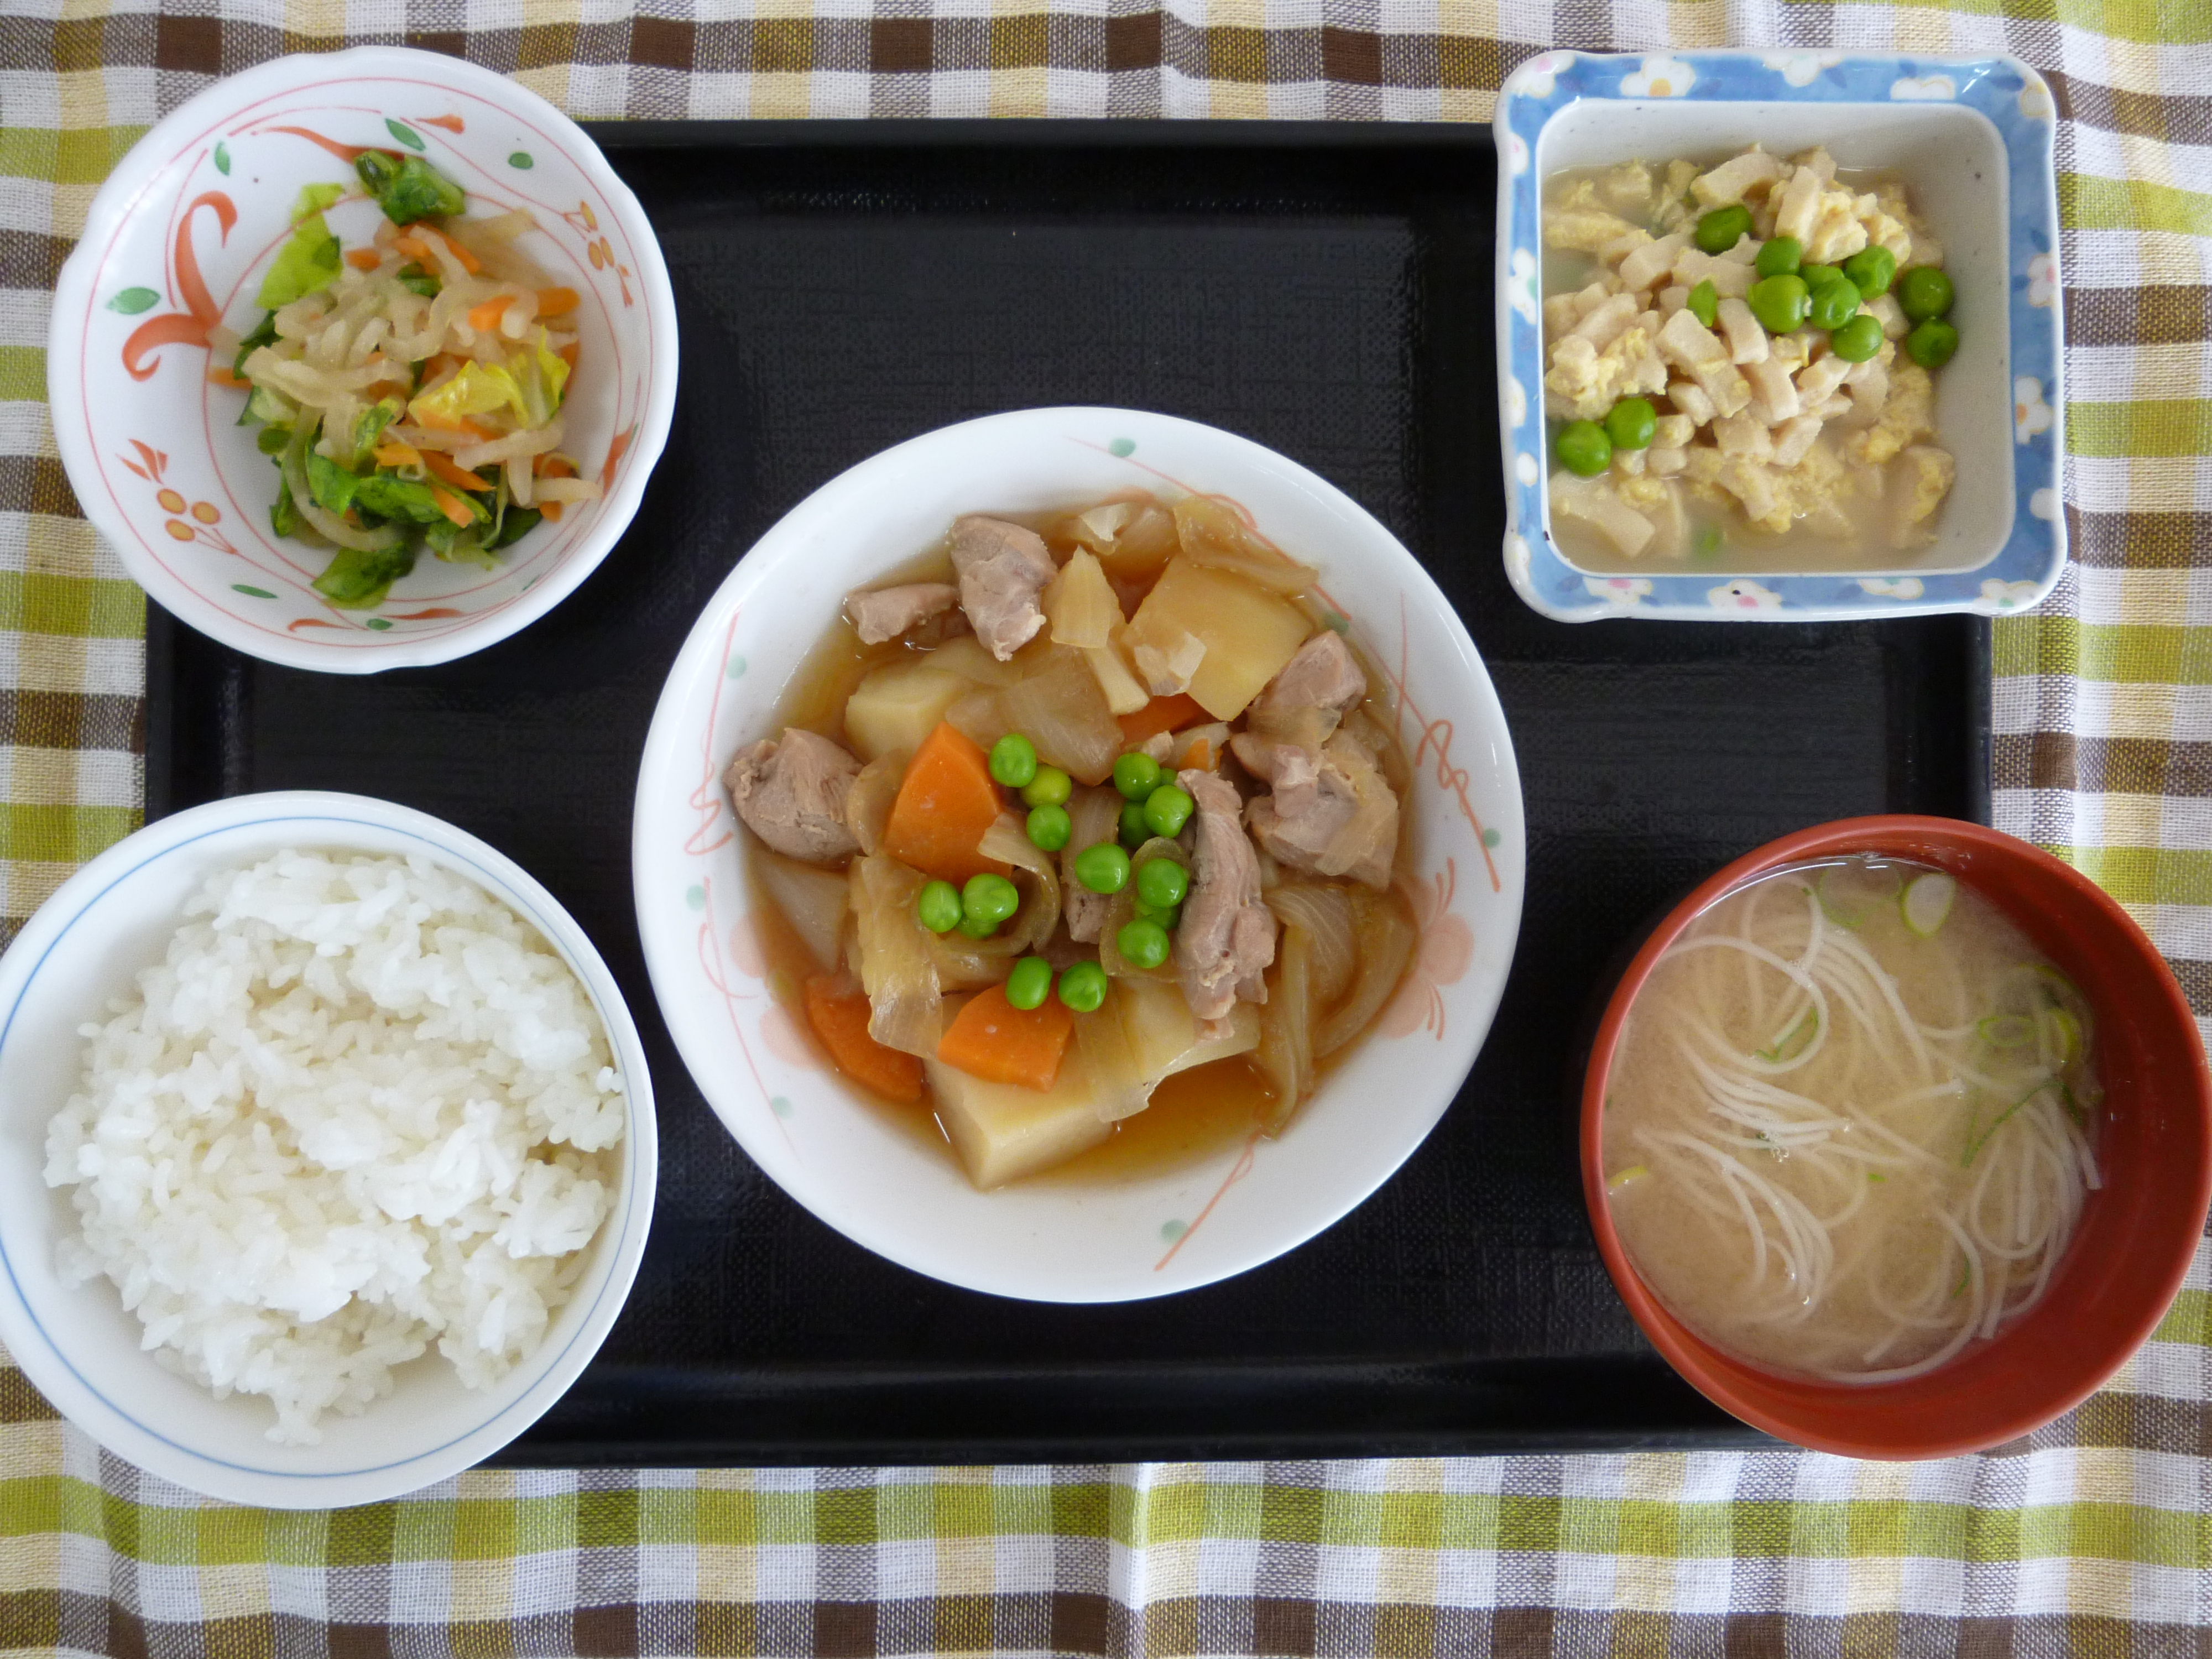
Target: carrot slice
{"x":946,"y":802}
{"x":453,"y":506}
{"x":364,"y":259}
{"x":436,"y":422}
{"x":453,"y":472}
{"x":422,"y":234}
{"x":485,"y":317}
{"x":992,"y":1039}
{"x":550,"y":511}
{"x":392,"y":452}
{"x":839,"y":1015}
{"x":569,"y":353}
{"x":1160,"y":715}
{"x":553,"y":465}
{"x":556,"y":301}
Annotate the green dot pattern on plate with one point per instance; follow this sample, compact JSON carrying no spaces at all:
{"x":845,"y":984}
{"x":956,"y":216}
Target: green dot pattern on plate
{"x":379,"y":623}
{"x":223,"y":158}
{"x":252,"y":592}
{"x":1171,"y":1230}
{"x":779,"y":1105}
{"x":1491,"y":837}
{"x":696,"y":896}
{"x":522,"y":159}
{"x":405,"y":134}
{"x":132,"y":301}
{"x":735,"y":668}
{"x":1122,"y":446}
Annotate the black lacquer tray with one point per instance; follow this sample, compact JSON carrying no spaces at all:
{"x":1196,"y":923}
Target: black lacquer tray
{"x":1325,"y":290}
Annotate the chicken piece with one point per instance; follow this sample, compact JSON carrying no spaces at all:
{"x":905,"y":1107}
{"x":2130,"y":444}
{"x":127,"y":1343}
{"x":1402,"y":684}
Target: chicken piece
{"x":1822,"y":164}
{"x":884,"y":613}
{"x":1607,"y":323}
{"x":1869,"y":388}
{"x":1817,"y":381}
{"x":1322,"y":674}
{"x":1665,"y":461}
{"x":791,"y":793}
{"x":1672,"y":299}
{"x":1690,"y":397}
{"x":1793,"y":438}
{"x":1226,"y":939}
{"x":1661,"y":504}
{"x":1648,"y":264}
{"x":1693,"y":348}
{"x":1624,"y":245}
{"x":1922,"y":478}
{"x":1731,"y":278}
{"x":1584,"y":230}
{"x":1774,"y":398}
{"x":1594,"y":502}
{"x":1747,"y":340}
{"x":1584,"y":383}
{"x":1627,"y":189}
{"x":1885,"y":310}
{"x":1004,"y":570}
{"x":1796,"y":202}
{"x":1331,"y":813}
{"x":1751,"y":484}
{"x":1589,"y":299}
{"x":1906,"y":417}
{"x":1560,"y":316}
{"x":1743,"y":435}
{"x":1733,"y":179}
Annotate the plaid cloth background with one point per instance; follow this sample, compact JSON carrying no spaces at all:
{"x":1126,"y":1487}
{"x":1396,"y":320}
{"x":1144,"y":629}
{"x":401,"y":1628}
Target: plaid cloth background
{"x":2093,"y":1537}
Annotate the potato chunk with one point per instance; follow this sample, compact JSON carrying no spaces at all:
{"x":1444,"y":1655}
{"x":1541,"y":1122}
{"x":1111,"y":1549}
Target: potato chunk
{"x":1249,"y":633}
{"x":893,"y":709}
{"x":1003,"y":1132}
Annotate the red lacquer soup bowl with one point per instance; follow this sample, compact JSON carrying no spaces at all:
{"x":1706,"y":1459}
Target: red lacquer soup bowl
{"x":2136,"y":1235}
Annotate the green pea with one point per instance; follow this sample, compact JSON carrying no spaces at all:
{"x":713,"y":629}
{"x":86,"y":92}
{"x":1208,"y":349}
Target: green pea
{"x":1167,"y":917}
{"x":1103,"y":868}
{"x":1050,"y":787}
{"x":1871,"y":271}
{"x":1136,"y":774}
{"x":1835,"y":303}
{"x":1083,"y":987}
{"x":937,"y":906}
{"x":1930,"y":345}
{"x":1816,"y":275}
{"x":1780,"y":303}
{"x":1925,"y":292}
{"x":1163,"y":884}
{"x":1029,"y":983}
{"x":1050,"y":828}
{"x":1584,"y":448}
{"x":1631,"y":423}
{"x":1167,"y":809}
{"x":1144,"y":943}
{"x":989,"y":899}
{"x":1705,"y":302}
{"x":1013,"y":761}
{"x":1134,"y":832}
{"x":1856,"y":340}
{"x":1779,"y":256}
{"x":1723,"y":227}
{"x":977,"y":927}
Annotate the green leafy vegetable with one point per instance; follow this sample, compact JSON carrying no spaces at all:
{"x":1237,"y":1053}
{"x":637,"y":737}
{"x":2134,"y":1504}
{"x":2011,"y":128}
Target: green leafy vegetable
{"x":518,"y":522}
{"x":408,"y":188}
{"x":265,"y":333}
{"x":390,"y":497}
{"x":283,"y":517}
{"x":369,"y":426}
{"x":416,"y":283}
{"x":272,"y":440}
{"x":308,"y":262}
{"x":263,"y":403}
{"x":333,"y":487}
{"x":358,"y":582}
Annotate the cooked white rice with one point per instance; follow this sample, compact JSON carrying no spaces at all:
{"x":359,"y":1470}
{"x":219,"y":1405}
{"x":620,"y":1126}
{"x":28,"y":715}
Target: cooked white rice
{"x":361,"y":1107}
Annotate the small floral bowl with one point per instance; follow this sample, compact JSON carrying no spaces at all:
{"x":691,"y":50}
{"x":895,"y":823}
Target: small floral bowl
{"x":1972,"y":139}
{"x":870,"y":1175}
{"x":175,"y":247}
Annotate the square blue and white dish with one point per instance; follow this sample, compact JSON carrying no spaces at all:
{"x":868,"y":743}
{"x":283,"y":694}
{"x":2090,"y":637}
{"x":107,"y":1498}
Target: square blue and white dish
{"x":1972,"y":138}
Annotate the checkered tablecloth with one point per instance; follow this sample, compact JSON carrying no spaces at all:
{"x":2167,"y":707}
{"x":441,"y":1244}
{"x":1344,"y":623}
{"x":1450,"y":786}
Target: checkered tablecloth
{"x":2093,"y":1537}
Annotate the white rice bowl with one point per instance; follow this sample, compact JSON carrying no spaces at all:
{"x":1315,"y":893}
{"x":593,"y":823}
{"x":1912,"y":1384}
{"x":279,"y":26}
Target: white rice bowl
{"x":360,"y":1110}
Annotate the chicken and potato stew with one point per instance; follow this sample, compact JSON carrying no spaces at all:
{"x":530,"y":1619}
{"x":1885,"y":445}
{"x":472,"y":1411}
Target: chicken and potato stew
{"x":1085,"y":803}
{"x":1740,"y":366}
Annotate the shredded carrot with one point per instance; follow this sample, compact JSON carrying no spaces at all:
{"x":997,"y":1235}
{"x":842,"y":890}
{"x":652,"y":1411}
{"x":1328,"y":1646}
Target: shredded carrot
{"x":453,"y":472}
{"x":453,"y":506}
{"x":437,"y":422}
{"x":569,"y":353}
{"x":364,"y":259}
{"x":1160,"y":715}
{"x":485,"y":317}
{"x":839,"y":1014}
{"x":437,"y":368}
{"x":556,"y":301}
{"x":992,"y":1039}
{"x":422,"y":235}
{"x":1200,"y":754}
{"x":550,"y":511}
{"x":392,"y":452}
{"x":946,"y":802}
{"x":222,"y":376}
{"x":552,"y":465}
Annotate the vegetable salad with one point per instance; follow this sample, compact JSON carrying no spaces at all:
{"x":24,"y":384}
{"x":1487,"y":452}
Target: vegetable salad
{"x":410,"y":389}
